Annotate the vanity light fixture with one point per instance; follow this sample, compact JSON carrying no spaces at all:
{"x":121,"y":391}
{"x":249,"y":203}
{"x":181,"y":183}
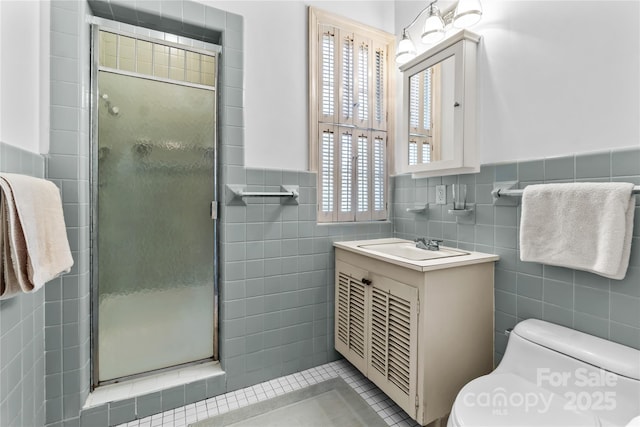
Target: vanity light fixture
{"x":465,"y":14}
{"x":406,"y":49}
{"x":468,"y":13}
{"x":433,"y":30}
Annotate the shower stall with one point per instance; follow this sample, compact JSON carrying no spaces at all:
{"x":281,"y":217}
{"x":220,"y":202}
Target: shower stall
{"x":153,"y":181}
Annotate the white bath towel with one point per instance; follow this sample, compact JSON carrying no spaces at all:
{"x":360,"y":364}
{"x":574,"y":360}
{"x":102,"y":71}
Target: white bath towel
{"x":33,"y":245}
{"x":584,"y":226}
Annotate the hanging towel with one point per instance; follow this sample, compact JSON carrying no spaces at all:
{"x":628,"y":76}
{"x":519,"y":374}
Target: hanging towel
{"x":33,"y":239}
{"x":584,"y":226}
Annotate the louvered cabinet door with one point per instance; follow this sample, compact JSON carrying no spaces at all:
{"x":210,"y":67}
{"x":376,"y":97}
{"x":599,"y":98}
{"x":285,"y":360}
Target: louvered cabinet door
{"x":351,"y":312}
{"x":393,"y":338}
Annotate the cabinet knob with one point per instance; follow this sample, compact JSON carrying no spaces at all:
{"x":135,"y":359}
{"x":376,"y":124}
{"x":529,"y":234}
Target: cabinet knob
{"x":366,"y":281}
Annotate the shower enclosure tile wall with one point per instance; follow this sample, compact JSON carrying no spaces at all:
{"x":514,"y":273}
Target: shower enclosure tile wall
{"x":22,"y":363}
{"x":67,"y":335}
{"x":584,"y":301}
{"x":68,"y":165}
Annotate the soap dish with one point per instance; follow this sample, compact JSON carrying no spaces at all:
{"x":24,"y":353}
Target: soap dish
{"x":464,"y":216}
{"x":418,"y":209}
{"x":460,"y":212}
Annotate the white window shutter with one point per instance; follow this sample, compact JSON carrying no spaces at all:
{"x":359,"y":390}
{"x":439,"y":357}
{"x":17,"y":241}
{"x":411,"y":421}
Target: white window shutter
{"x":362,"y":194}
{"x":328,"y":73}
{"x":346,"y":174}
{"x":426,"y":152}
{"x":327,"y":174}
{"x":350,"y":79}
{"x":379,"y":84}
{"x":362,"y":75}
{"x":379,"y":175}
{"x":413,"y":151}
{"x":346,"y":82}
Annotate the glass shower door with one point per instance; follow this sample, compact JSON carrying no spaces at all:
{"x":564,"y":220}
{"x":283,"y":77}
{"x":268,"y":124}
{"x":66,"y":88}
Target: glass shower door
{"x":155,"y":237}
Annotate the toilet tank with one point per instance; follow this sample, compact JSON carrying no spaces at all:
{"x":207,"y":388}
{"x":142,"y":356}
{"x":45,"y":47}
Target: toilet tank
{"x":590,"y":373}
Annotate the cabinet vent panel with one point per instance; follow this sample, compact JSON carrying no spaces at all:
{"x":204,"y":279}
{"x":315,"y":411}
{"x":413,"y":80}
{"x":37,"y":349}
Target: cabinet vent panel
{"x":400,"y":380}
{"x":342,"y":331}
{"x":356,"y":318}
{"x":378,"y":356}
{"x":391,"y":343}
{"x":398,"y":336}
{"x":343,"y":309}
{"x":379,"y":331}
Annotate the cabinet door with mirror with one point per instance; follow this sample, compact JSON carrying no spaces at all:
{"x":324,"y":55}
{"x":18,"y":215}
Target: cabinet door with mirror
{"x":438,"y":127}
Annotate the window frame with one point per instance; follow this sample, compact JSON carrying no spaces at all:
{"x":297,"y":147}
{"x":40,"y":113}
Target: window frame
{"x":321,"y":22}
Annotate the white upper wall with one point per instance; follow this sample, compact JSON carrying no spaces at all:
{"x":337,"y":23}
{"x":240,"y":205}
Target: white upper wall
{"x":558,"y":78}
{"x":24,"y":74}
{"x":549,"y":84}
{"x":275,"y":73}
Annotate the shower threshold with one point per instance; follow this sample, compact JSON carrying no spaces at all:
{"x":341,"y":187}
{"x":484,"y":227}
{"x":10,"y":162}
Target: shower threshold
{"x":152,"y":383}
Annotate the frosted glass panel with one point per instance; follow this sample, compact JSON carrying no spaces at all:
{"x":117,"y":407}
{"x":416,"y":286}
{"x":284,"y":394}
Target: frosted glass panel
{"x":155,"y":234}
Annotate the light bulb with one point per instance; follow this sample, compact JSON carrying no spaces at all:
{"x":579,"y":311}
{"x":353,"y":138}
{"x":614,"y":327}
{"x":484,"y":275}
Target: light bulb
{"x":433,"y":30}
{"x":406,"y":50}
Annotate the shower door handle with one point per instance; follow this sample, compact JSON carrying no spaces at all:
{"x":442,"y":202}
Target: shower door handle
{"x":214,"y":210}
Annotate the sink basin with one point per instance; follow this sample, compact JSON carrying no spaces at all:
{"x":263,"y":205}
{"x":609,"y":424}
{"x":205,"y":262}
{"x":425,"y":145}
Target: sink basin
{"x":409,"y":251}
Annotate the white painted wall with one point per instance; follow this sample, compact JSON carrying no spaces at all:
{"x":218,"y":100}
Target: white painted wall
{"x":2,"y":13}
{"x":558,"y":78}
{"x":275,"y":73}
{"x":24,"y":74}
{"x":550,"y":82}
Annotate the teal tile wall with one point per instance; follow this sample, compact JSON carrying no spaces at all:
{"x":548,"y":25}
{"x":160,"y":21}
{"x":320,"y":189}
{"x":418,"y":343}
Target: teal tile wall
{"x":587,"y":302}
{"x":67,"y":298}
{"x":67,"y":322}
{"x":278,"y":279}
{"x":22,"y":360}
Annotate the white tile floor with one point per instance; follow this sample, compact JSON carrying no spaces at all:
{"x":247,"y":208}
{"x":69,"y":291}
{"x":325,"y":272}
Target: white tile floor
{"x":182,"y":417}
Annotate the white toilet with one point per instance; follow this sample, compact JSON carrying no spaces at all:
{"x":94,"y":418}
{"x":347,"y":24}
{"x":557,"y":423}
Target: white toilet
{"x":554,"y":376}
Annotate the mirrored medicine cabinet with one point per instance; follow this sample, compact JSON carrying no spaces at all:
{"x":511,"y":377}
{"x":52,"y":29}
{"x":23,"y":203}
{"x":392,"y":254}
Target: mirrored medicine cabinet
{"x":439,"y":109}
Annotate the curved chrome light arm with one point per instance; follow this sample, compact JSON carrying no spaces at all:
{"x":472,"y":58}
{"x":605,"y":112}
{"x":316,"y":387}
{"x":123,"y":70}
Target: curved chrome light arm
{"x":429,"y":6}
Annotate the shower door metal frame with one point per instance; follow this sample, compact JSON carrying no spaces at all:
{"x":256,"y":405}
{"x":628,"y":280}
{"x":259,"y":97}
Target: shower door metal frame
{"x":93,"y":190}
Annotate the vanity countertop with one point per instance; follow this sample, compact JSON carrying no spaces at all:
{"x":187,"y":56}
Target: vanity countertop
{"x":469,"y":258}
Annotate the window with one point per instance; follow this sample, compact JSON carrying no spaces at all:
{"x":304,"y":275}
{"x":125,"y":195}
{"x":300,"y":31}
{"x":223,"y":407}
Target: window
{"x":350,"y":83}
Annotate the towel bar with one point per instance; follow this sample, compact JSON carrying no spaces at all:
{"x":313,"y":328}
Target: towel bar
{"x":266,"y":194}
{"x":288,"y":194}
{"x":499,"y":192}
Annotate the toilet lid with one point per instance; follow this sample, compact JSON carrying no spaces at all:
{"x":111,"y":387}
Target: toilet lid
{"x":509,"y":400}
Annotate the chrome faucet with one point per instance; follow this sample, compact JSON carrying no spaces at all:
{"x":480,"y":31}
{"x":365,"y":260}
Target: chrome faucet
{"x":430,"y":245}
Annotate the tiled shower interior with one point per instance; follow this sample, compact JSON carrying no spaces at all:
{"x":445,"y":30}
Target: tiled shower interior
{"x":276,"y":287}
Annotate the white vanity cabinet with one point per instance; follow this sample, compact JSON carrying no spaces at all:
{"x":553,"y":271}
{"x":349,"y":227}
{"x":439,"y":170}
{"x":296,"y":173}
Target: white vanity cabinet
{"x":420,"y":330}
